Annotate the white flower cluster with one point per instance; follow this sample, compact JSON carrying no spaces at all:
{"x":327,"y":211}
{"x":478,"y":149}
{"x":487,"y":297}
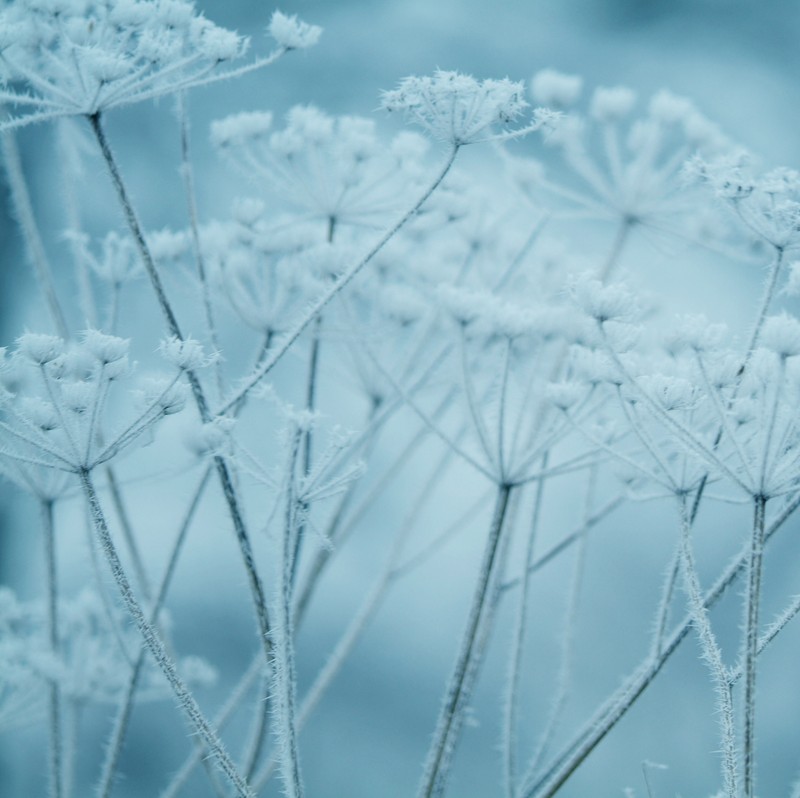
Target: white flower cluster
{"x":55,"y":399}
{"x":458,"y":109}
{"x":334,"y":169}
{"x":629,"y":169}
{"x":767,"y":205}
{"x":68,"y":57}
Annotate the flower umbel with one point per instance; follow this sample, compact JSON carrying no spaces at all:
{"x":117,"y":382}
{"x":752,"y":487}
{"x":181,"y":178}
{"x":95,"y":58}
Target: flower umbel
{"x":74,"y":57}
{"x":458,"y":109}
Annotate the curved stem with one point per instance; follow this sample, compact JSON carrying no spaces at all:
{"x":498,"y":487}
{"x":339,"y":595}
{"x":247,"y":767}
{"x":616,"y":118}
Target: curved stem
{"x":711,"y":654}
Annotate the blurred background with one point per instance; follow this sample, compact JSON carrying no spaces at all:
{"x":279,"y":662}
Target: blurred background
{"x":739,"y":61}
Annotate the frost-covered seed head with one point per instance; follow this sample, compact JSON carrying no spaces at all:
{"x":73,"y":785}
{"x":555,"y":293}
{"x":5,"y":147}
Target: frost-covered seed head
{"x":456,"y":108}
{"x":241,"y":127}
{"x":185,"y":354}
{"x":697,"y":333}
{"x":39,"y":348}
{"x":612,"y":104}
{"x":602,"y":302}
{"x":105,"y":348}
{"x":292,"y":33}
{"x":556,"y":89}
{"x":781,"y":334}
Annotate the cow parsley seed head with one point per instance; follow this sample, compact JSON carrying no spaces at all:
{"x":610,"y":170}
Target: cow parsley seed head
{"x":105,"y":348}
{"x":556,"y":89}
{"x":603,"y":302}
{"x":768,"y":205}
{"x":336,"y":170}
{"x":292,"y":33}
{"x":612,"y":104}
{"x":56,"y":418}
{"x":240,"y":128}
{"x":186,"y":354}
{"x":39,"y":348}
{"x":781,"y":334}
{"x":81,"y":58}
{"x":458,"y":109}
{"x":697,"y":333}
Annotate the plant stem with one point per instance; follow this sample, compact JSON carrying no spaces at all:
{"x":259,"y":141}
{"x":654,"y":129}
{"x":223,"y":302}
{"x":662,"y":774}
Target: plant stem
{"x":191,"y":202}
{"x":228,"y":490}
{"x":458,"y":690}
{"x":23,"y":209}
{"x":615,"y":708}
{"x":710,"y":652}
{"x":518,"y":645}
{"x":154,"y":643}
{"x":752,"y":606}
{"x":56,"y":742}
{"x":122,"y":721}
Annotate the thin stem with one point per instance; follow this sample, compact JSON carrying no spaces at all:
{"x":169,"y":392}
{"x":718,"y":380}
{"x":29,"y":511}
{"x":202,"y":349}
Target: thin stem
{"x":156,"y":646}
{"x":191,"y":201}
{"x":518,"y":644}
{"x":766,"y":300}
{"x":127,"y":532}
{"x":620,"y":240}
{"x":226,"y":481}
{"x":457,"y":695}
{"x":568,"y":638}
{"x":311,"y":395}
{"x":221,"y":720}
{"x":711,"y":653}
{"x":283,"y":670}
{"x":122,"y":721}
{"x":23,"y":210}
{"x":56,"y":741}
{"x":750,"y":653}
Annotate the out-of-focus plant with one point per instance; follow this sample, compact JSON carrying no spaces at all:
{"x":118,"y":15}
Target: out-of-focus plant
{"x":453,"y":317}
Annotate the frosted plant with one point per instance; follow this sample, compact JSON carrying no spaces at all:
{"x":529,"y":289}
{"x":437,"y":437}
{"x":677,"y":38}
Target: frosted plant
{"x":55,"y":418}
{"x":458,"y":109}
{"x":82,"y":57}
{"x":745,"y":433}
{"x":767,"y":205}
{"x":94,"y":651}
{"x":335,"y":170}
{"x":624,"y":168}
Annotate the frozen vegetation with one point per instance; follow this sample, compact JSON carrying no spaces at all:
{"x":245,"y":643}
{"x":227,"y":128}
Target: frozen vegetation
{"x":387,"y":364}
